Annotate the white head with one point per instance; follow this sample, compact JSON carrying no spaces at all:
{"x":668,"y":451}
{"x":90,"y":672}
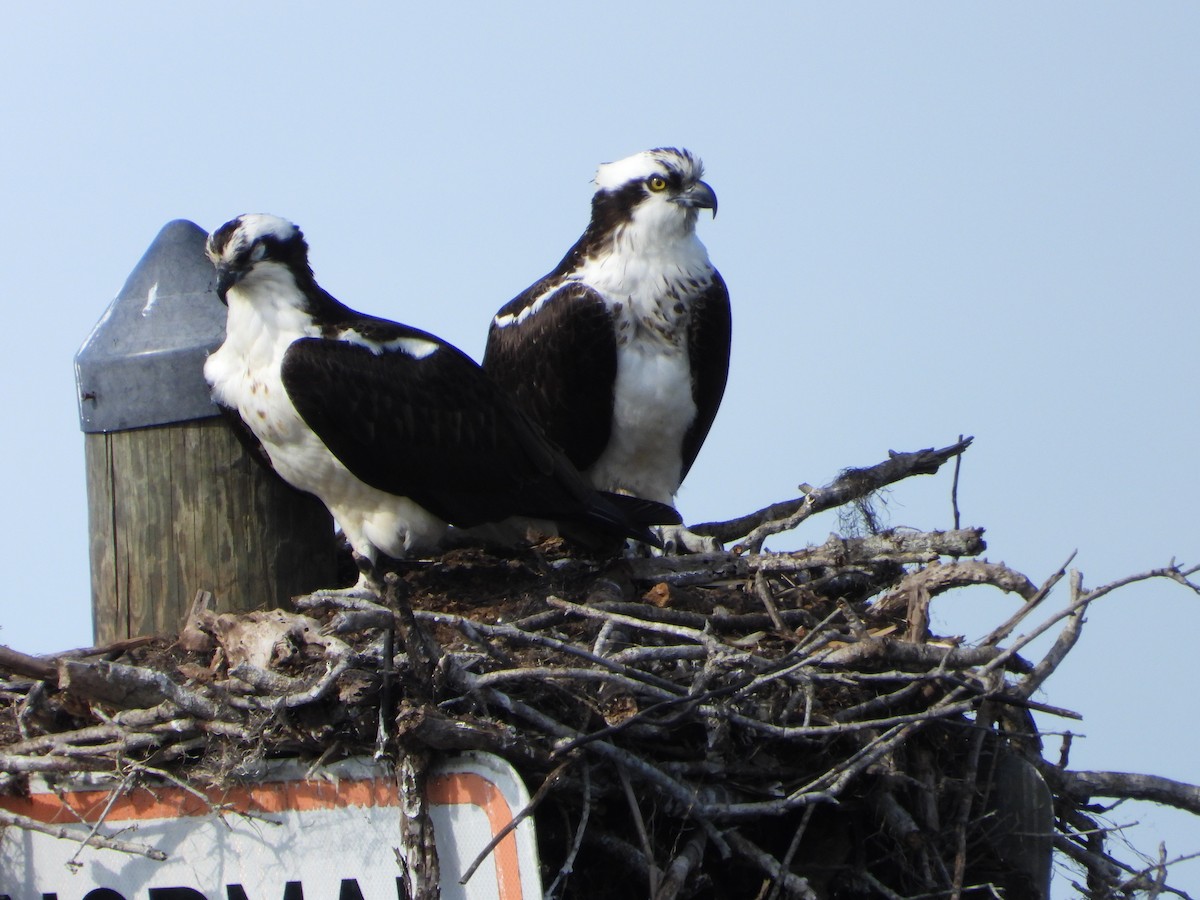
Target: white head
{"x":658,"y":191}
{"x":239,"y":245}
{"x":662,"y":161}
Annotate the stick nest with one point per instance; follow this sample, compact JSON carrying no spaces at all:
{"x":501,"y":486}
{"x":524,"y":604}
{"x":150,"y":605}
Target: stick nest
{"x":733,"y":724}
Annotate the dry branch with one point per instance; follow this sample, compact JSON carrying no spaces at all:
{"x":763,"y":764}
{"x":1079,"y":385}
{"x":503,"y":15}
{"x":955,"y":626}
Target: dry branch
{"x":24,"y":664}
{"x":836,"y":552}
{"x":851,"y":485}
{"x":1083,"y":786}
{"x":93,"y":840}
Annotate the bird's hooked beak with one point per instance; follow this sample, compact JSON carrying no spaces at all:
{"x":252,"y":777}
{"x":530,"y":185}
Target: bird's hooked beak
{"x":698,"y":196}
{"x":227,"y":277}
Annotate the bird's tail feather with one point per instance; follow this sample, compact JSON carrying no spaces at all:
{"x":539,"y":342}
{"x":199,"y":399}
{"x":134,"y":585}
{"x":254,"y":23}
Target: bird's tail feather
{"x":640,"y":511}
{"x":625,"y":516}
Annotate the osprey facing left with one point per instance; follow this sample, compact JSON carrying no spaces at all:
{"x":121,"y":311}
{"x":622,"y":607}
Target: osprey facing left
{"x":395,"y":430}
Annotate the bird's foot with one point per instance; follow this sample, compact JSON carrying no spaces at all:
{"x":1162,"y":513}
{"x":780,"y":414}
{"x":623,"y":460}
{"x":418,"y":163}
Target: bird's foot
{"x":676,"y":541}
{"x":345,"y":596}
{"x":368,"y":587}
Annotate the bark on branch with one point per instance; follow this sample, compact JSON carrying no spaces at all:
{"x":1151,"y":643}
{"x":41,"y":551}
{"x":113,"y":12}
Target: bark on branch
{"x":851,"y":485}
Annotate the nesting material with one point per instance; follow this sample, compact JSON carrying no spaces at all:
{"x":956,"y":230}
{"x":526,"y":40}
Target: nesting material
{"x":737,"y":724}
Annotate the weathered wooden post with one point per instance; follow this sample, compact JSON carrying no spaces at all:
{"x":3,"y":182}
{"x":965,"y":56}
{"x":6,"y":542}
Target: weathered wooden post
{"x":175,"y":503}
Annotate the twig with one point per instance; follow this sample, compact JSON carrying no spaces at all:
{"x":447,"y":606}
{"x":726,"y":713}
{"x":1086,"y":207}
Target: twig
{"x":837,"y":552}
{"x":682,"y":796}
{"x":1067,"y":638}
{"x":762,"y":590}
{"x":1084,"y":785}
{"x":525,"y":813}
{"x":1005,"y":629}
{"x":518,"y":636}
{"x":29,"y":706}
{"x":894,"y":469}
{"x":1081,"y":602}
{"x":422,"y":651}
{"x":113,"y":796}
{"x":1159,"y":868}
{"x":785,"y":864}
{"x":937,"y":579}
{"x":386,"y":700}
{"x":954,"y":487}
{"x":92,"y":840}
{"x":421,"y":871}
{"x":681,"y":867}
{"x":851,"y":485}
{"x":639,"y":826}
{"x":969,"y":787}
{"x":564,"y":871}
{"x":131,"y":686}
{"x":23,"y":664}
{"x":794,"y":885}
{"x":675,"y":631}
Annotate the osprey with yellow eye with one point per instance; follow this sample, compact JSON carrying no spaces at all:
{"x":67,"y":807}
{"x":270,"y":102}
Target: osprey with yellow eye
{"x":621,"y":352}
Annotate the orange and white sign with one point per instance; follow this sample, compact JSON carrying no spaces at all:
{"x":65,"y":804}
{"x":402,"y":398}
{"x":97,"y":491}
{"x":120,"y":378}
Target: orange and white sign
{"x":334,"y":836}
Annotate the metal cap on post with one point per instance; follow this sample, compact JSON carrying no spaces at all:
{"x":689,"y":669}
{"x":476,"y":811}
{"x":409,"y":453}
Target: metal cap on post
{"x":175,"y":503}
{"x":143,"y":363}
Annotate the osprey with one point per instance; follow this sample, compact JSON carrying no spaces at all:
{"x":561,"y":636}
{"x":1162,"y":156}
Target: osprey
{"x":395,"y":430}
{"x":621,"y":353}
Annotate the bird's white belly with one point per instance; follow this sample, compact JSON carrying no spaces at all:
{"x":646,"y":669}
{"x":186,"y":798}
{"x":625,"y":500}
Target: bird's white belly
{"x":370,"y":517}
{"x":652,"y":410}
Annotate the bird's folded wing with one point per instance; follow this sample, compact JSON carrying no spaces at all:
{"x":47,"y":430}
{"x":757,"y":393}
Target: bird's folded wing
{"x":556,"y":355}
{"x":708,"y":348}
{"x":419,"y":419}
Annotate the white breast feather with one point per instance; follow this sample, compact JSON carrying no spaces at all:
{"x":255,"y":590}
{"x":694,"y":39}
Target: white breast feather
{"x":245,"y":374}
{"x":648,"y":281}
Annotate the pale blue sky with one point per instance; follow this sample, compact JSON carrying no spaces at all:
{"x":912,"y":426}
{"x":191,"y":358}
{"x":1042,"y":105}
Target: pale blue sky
{"x":935,"y":219}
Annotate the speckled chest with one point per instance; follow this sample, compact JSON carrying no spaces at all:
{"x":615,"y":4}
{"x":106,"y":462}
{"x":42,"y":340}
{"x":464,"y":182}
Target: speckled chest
{"x":245,"y":371}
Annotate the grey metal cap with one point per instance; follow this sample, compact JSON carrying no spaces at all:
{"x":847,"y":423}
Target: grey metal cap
{"x":143,"y":363}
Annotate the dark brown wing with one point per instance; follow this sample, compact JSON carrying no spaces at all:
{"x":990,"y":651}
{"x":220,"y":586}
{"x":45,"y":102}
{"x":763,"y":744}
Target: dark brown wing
{"x":709,"y":334}
{"x":559,"y":362}
{"x":433,"y":428}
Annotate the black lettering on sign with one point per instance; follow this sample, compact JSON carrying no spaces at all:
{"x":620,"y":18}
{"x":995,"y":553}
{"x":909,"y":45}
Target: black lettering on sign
{"x":293,"y":890}
{"x":176,"y":893}
{"x":350,"y":890}
{"x":102,"y":894}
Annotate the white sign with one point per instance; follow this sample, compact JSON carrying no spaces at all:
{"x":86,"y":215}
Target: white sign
{"x":334,"y":836}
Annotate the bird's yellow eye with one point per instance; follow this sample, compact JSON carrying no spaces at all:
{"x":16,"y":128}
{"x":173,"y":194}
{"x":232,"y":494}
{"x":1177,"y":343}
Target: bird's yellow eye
{"x":656,"y":183}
